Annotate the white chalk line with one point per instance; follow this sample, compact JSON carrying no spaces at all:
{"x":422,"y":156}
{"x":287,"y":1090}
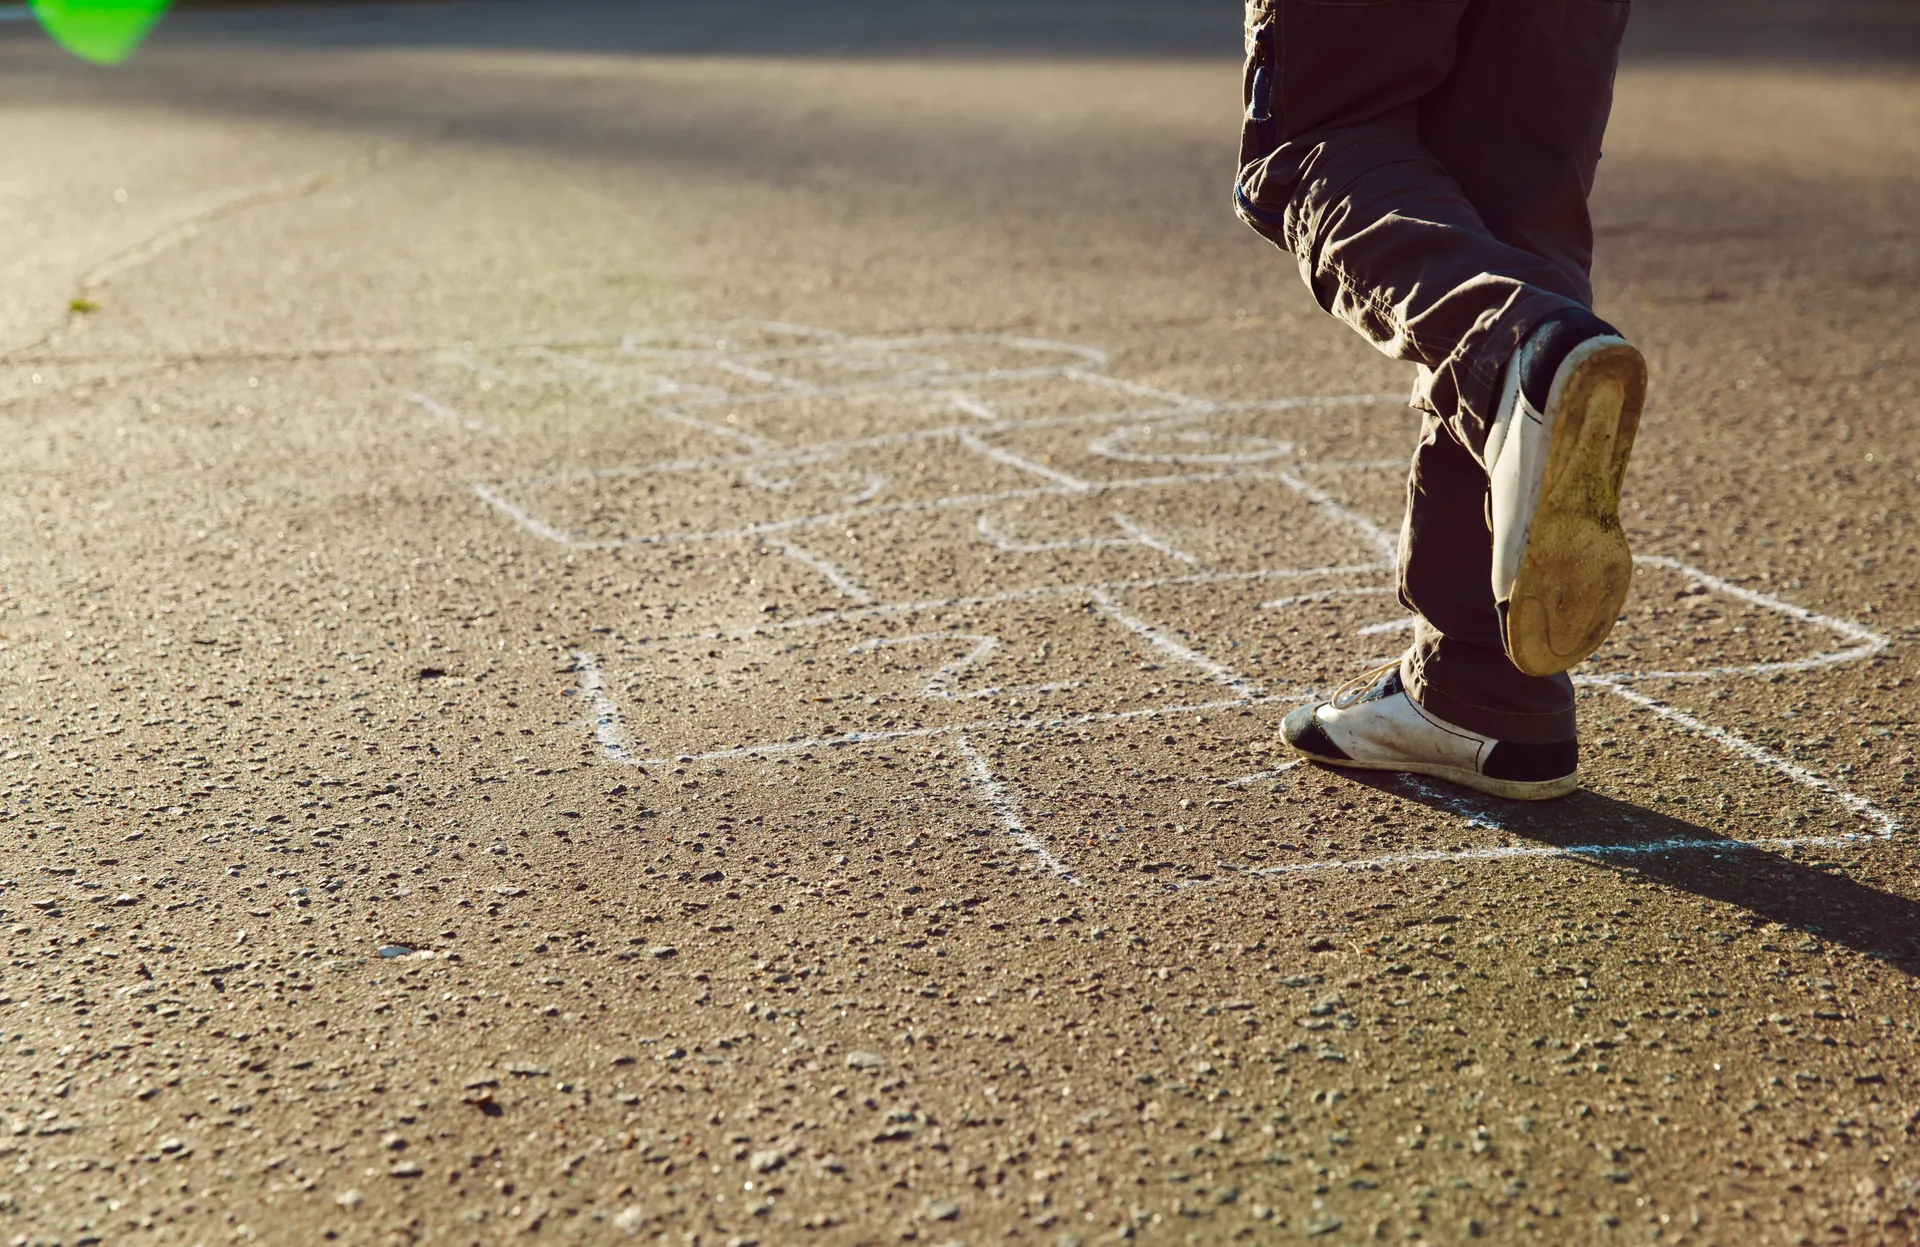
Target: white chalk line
{"x":1379,"y":538}
{"x":829,"y":571}
{"x":1861,"y":807}
{"x":1061,"y":723}
{"x":907,"y":383}
{"x":827,"y":619}
{"x":1327,"y":595}
{"x":1154,"y":542}
{"x":1517,"y":852}
{"x":1136,"y":535}
{"x":974,"y":407}
{"x":1020,"y":463}
{"x":990,"y":532}
{"x":1257,"y":776}
{"x":764,"y":377}
{"x":1109,"y":446}
{"x":446,"y":413}
{"x":538,"y":528}
{"x":1868,"y":641}
{"x":1167,"y":645}
{"x":1459,"y":801}
{"x":1464,"y":804}
{"x":1138,"y":390}
{"x":752,"y":441}
{"x":939,"y":682}
{"x":996,"y":800}
{"x":816,"y":450}
{"x":606,"y":717}
{"x":835,"y":343}
{"x":1369,"y":531}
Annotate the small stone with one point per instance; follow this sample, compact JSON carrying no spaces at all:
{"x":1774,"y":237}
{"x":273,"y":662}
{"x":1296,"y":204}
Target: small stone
{"x":943,"y":1210}
{"x":405,"y":1169}
{"x":1316,"y":1226}
{"x":393,"y":1143}
{"x":348,"y":1199}
{"x":865,"y":1060}
{"x":663,"y":951}
{"x":171,"y":1145}
{"x":767,"y":1161}
{"x":629,"y":1219}
{"x":507,"y":889}
{"x":395,"y":950}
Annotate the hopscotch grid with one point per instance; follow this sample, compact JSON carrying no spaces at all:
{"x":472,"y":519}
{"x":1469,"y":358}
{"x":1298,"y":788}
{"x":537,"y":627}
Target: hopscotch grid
{"x":828,"y":619}
{"x":1180,"y":409}
{"x":1369,"y":531}
{"x":1056,"y":724}
{"x":820,"y":451}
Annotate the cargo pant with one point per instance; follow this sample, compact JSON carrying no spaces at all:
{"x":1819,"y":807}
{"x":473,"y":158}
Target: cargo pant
{"x":1427,"y":163}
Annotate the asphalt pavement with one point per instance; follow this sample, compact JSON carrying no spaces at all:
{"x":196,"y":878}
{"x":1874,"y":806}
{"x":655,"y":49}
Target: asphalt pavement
{"x":668,"y":622}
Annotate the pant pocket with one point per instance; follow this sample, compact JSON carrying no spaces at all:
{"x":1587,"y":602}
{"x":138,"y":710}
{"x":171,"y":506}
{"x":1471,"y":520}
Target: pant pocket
{"x":1259,"y":126}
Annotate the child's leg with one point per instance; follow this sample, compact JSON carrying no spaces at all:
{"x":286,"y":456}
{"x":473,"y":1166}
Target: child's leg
{"x":1428,"y":162}
{"x":1458,"y":667}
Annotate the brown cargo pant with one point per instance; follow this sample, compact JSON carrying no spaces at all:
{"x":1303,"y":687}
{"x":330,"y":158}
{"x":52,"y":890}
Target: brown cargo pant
{"x":1427,"y":163}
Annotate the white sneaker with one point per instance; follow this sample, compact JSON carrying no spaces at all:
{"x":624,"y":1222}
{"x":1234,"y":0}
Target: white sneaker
{"x":1556,"y":455}
{"x":1373,"y":725}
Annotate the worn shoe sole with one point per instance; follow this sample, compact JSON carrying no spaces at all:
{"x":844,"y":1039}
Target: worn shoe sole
{"x":1511,"y":789}
{"x":1575,"y":568}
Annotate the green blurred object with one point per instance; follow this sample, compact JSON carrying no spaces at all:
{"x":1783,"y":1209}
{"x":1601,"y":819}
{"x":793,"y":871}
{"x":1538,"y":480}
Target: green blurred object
{"x":105,"y":32}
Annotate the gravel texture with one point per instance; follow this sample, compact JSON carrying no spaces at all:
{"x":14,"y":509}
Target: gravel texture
{"x":614,"y":632}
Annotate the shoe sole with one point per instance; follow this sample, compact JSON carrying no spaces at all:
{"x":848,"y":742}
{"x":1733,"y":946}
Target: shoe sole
{"x":1576,"y":567}
{"x":1511,"y":789}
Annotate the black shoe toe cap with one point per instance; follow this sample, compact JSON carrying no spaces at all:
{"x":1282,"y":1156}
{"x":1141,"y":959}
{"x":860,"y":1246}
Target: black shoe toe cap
{"x":1303,"y":732}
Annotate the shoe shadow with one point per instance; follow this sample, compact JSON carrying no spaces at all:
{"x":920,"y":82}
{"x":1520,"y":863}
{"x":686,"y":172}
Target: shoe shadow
{"x":1616,"y":835}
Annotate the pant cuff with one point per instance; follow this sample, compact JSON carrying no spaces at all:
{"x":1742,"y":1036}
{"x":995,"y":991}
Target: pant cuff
{"x":1522,"y":727}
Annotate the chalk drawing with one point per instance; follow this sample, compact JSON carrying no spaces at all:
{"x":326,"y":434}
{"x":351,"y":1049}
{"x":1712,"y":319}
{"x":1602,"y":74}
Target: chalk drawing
{"x":1001,"y":387}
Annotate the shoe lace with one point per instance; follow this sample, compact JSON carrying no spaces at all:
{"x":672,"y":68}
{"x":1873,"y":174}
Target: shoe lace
{"x":1359,"y":686}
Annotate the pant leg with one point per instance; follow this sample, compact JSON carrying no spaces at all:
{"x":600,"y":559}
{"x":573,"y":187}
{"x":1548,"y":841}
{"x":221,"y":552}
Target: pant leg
{"x":1518,"y":122}
{"x":1428,"y":164}
{"x":1458,"y":667}
{"x":1336,"y":168}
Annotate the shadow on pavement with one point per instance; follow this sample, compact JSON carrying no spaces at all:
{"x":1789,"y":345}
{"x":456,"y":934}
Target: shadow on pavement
{"x":1625,"y":837}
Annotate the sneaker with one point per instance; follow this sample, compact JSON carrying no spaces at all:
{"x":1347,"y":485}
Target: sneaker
{"x":1556,"y":454}
{"x":1373,"y":725}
